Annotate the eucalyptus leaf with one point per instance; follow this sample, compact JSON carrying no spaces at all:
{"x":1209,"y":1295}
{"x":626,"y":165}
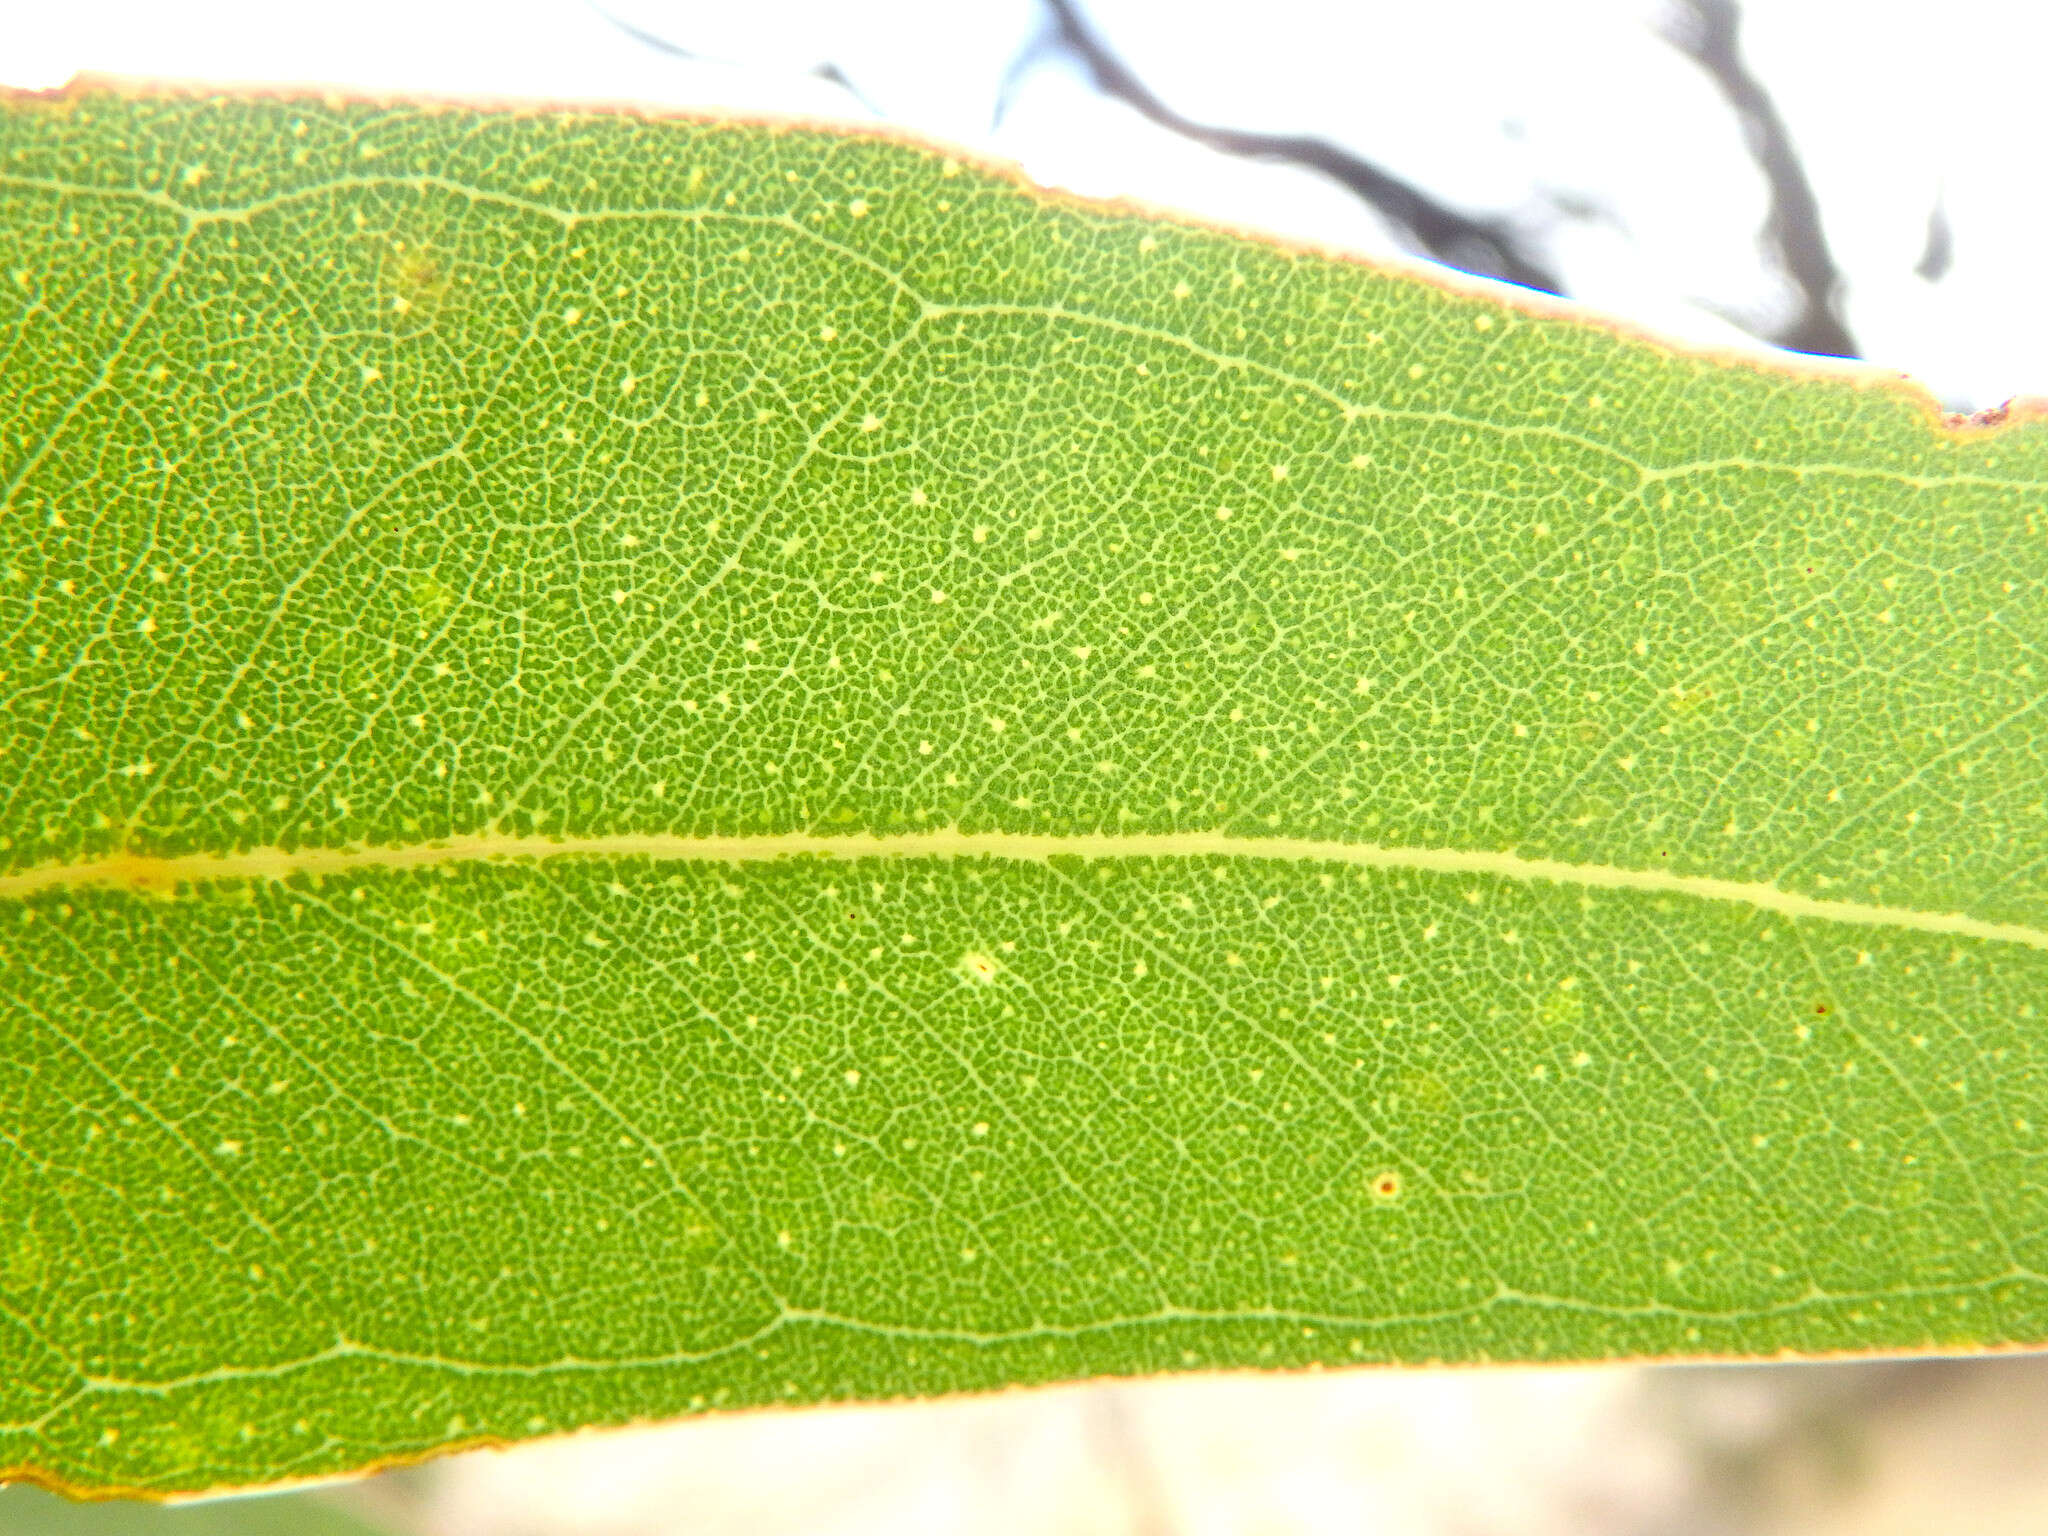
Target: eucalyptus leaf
{"x":652,"y":766}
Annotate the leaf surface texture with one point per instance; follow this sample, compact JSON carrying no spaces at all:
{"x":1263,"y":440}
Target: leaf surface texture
{"x":651,"y":766}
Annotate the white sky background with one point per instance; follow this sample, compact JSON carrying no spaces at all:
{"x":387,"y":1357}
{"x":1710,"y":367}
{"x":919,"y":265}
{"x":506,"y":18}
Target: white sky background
{"x":1496,"y":106}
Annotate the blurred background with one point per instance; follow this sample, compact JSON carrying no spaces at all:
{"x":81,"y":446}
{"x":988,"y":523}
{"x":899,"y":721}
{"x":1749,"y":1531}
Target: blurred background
{"x":1863,"y":178}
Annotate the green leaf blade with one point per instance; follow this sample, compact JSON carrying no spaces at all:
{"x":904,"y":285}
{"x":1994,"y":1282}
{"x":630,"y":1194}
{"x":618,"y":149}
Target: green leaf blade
{"x":457,"y":568}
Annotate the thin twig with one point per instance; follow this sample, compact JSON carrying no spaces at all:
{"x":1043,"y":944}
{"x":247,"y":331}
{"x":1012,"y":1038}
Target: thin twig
{"x":1709,"y":36}
{"x":1939,"y":253}
{"x":829,"y":72}
{"x":1475,"y":245}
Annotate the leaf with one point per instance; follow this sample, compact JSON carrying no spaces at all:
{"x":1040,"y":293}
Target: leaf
{"x":661,"y":766}
{"x":29,"y":1512}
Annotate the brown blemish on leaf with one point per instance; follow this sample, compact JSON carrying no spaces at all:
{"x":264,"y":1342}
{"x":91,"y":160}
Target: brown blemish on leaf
{"x":139,"y":873}
{"x":1994,"y":417}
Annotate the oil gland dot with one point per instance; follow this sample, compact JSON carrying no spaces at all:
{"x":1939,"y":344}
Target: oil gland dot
{"x":978,"y":968}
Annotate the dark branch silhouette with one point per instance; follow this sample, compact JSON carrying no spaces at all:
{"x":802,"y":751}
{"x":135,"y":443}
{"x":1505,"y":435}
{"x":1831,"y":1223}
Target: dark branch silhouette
{"x":829,"y":72}
{"x":1707,"y":32}
{"x":1474,"y":245}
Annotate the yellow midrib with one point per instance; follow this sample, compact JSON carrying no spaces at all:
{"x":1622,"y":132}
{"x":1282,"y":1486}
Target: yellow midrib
{"x":144,"y":873}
